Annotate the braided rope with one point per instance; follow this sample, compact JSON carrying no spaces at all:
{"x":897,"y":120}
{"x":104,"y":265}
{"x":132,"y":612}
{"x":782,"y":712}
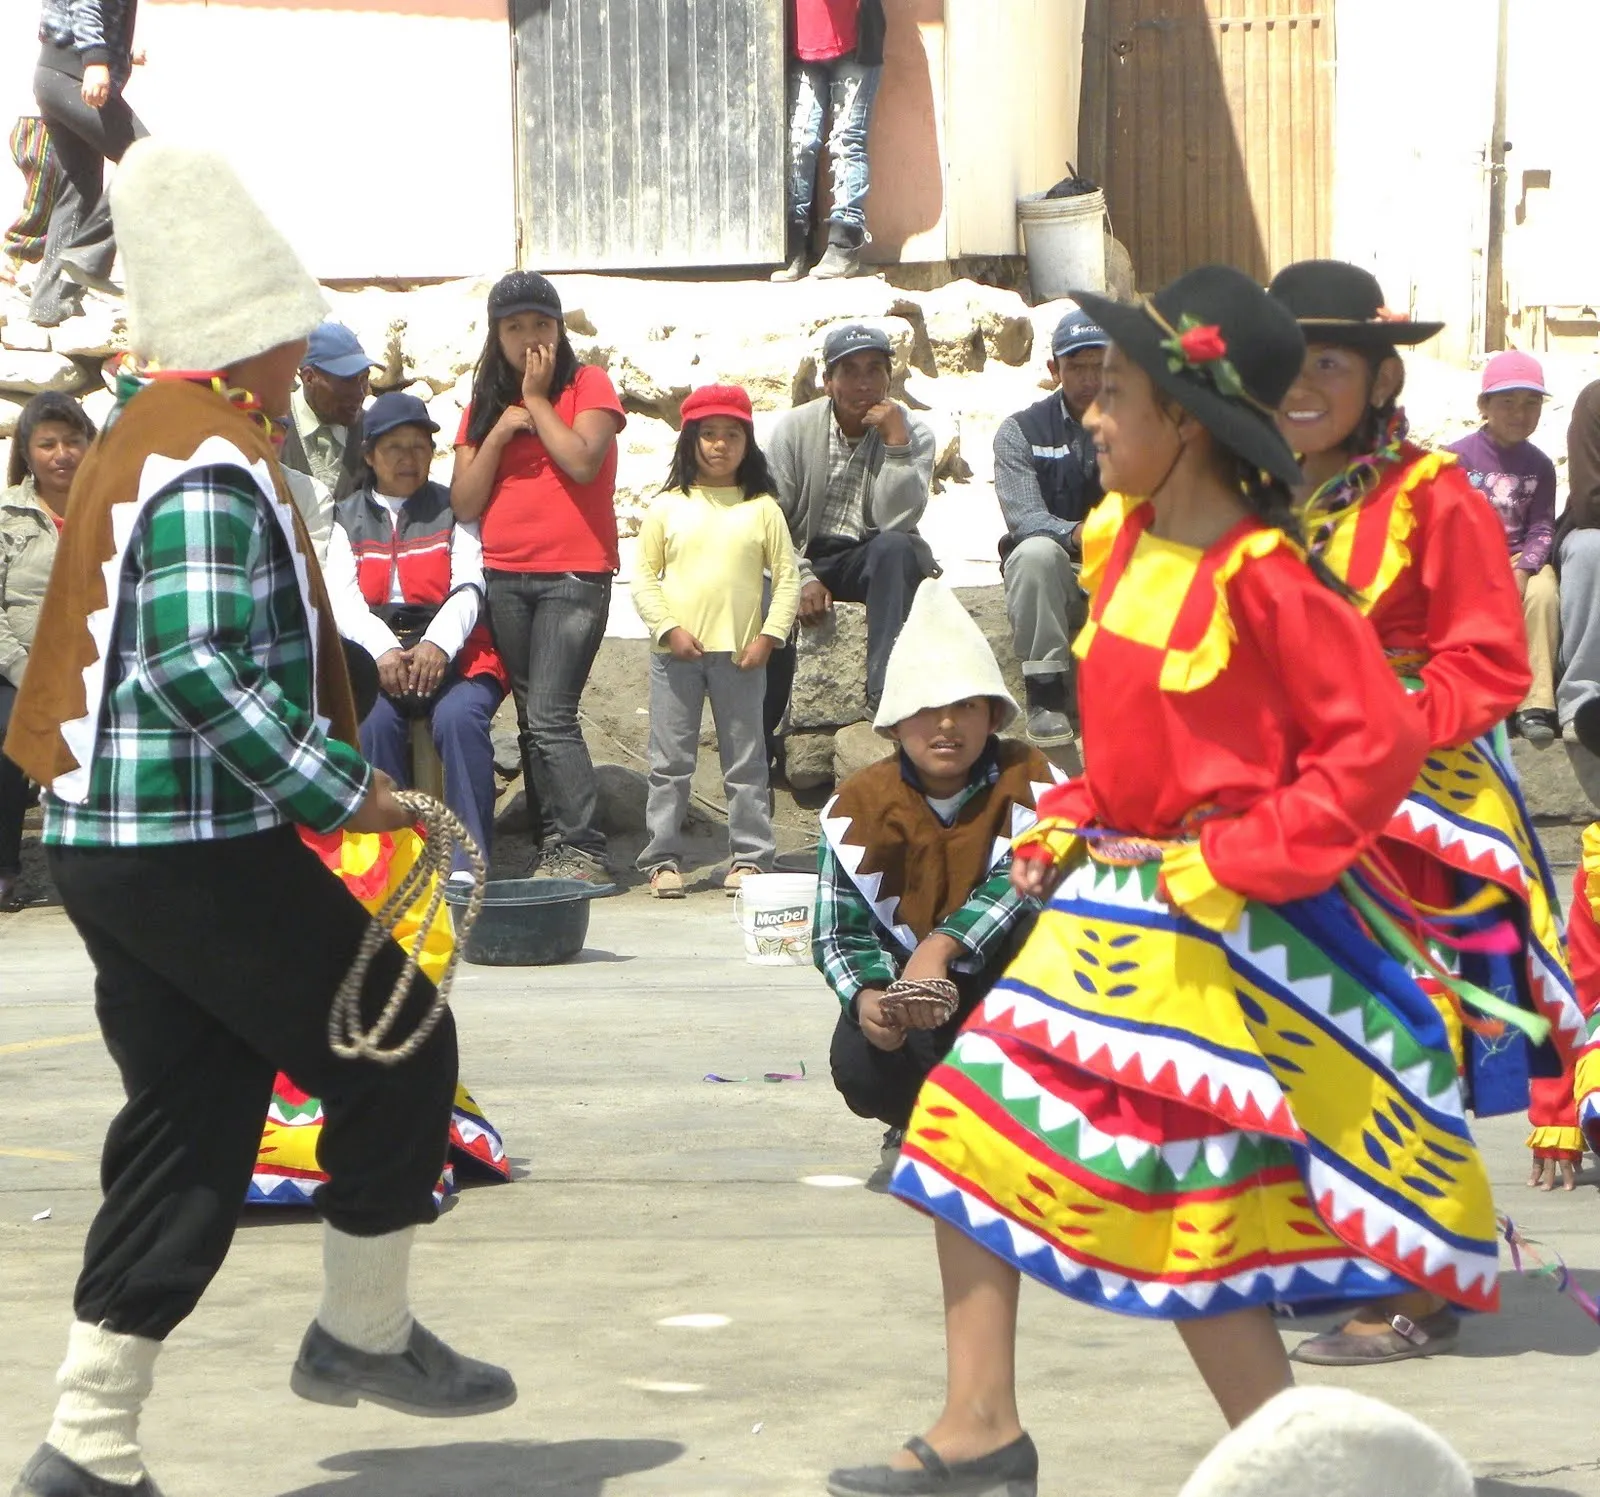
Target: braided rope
{"x":442,"y":833}
{"x":939,"y":990}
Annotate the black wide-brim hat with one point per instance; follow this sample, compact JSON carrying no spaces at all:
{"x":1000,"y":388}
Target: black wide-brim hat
{"x":1235,"y":395}
{"x":1343,"y":304}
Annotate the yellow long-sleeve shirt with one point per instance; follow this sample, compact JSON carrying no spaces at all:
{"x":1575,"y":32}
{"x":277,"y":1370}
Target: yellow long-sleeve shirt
{"x":700,"y":563}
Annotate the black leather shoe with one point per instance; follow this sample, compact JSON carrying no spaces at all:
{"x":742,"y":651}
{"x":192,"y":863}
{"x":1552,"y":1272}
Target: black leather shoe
{"x":426,"y":1379}
{"x":1011,"y":1471}
{"x":51,"y":1474}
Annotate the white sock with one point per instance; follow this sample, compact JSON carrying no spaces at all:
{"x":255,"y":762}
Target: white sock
{"x":364,"y":1299}
{"x":104,"y":1383}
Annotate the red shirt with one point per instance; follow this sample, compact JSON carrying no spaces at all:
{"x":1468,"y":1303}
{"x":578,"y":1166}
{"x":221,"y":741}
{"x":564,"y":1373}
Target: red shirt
{"x":541,"y":520}
{"x":825,"y":29}
{"x":1232,"y":681}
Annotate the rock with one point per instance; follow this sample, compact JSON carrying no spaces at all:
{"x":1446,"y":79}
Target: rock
{"x":1549,"y":785}
{"x":969,"y":323}
{"x":98,"y":406}
{"x":507,"y":751}
{"x":830,"y":678}
{"x":858,"y":747}
{"x":949,"y":466}
{"x":512,"y":819}
{"x":1121,"y":282}
{"x":1585,"y":774}
{"x":101,"y":331}
{"x":808,"y":760}
{"x":654,"y":379}
{"x":32,"y":372}
{"x":619,"y":810}
{"x":18,"y":332}
{"x":779,"y":373}
{"x":10,"y":413}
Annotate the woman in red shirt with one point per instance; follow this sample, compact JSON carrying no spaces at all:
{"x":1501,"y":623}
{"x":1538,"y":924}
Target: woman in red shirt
{"x":536,"y":462}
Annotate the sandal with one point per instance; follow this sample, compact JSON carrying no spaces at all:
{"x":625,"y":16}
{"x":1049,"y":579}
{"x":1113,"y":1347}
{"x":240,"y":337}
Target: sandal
{"x":1405,"y":1339}
{"x":1011,"y":1471}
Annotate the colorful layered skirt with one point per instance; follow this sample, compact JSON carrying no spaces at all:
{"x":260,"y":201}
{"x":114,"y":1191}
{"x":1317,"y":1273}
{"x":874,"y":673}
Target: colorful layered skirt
{"x":287,"y":1173}
{"x":1160,"y":1120}
{"x":1467,"y":829}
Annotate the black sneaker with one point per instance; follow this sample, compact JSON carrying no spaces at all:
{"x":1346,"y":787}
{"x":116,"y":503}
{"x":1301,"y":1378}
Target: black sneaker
{"x":1539,"y":726}
{"x":51,"y":1474}
{"x":426,"y":1379}
{"x":1049,"y":726}
{"x":573,"y":863}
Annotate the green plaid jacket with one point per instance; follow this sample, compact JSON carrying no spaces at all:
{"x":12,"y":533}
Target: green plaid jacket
{"x":853,"y":949}
{"x":206,"y":729}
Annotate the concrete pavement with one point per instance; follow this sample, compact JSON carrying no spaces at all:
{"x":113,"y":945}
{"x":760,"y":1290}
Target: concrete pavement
{"x":646,"y":1194}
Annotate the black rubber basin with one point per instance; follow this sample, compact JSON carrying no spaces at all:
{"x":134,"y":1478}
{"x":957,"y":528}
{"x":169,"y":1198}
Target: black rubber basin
{"x":529,"y":922}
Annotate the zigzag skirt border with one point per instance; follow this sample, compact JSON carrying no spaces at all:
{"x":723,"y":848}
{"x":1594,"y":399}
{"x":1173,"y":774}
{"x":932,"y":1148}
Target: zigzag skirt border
{"x":1163,"y":1122}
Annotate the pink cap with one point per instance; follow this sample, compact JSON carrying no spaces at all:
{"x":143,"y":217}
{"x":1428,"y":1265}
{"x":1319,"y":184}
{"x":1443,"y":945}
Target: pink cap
{"x":718,"y":400}
{"x":1513,"y":371}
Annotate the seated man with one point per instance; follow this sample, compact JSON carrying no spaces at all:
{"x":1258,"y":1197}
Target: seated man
{"x":324,"y":434}
{"x":1578,"y":562}
{"x":915,"y":863}
{"x":1047,"y":479}
{"x":406,"y":582}
{"x":853,"y":473}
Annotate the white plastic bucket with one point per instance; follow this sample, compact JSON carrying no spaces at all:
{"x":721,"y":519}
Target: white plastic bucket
{"x":1065,"y":241}
{"x":774,"y":912}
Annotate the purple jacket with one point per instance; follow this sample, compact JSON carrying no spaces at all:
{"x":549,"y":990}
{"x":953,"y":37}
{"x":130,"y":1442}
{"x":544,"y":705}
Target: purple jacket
{"x":1520,"y":482}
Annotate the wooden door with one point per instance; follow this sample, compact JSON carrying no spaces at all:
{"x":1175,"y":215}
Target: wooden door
{"x":652,"y":133}
{"x":1210,"y":125}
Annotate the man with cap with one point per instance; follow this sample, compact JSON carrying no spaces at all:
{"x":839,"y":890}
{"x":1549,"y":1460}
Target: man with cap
{"x":1047,"y":479}
{"x":187,"y":711}
{"x":853,"y":474}
{"x":324,"y":434}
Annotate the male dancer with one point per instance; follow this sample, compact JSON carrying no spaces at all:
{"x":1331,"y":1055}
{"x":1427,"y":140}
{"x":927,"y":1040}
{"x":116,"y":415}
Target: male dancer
{"x":186,"y":706}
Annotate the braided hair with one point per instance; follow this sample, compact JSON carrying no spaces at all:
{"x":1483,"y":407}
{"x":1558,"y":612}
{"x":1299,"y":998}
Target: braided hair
{"x":1269,"y":500}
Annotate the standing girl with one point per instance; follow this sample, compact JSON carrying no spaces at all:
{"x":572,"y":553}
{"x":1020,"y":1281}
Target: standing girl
{"x":1202,"y":1089}
{"x":536,"y":462}
{"x":1425,"y":557}
{"x":703,"y":551}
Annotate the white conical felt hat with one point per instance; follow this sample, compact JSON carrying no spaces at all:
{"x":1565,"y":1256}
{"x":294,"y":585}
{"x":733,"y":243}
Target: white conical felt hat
{"x":1329,"y":1442}
{"x":940,"y":657}
{"x":210,"y":282}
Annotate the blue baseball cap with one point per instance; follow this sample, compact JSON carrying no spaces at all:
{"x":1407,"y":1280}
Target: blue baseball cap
{"x":1076,"y":330}
{"x":392,"y":410}
{"x":335,"y":350}
{"x":855,"y":337}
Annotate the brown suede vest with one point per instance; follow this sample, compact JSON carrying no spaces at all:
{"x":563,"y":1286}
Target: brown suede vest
{"x":926,"y":870}
{"x":170,"y":420}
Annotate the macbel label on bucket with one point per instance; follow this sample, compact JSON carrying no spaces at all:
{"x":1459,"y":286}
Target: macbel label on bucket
{"x":767,"y":919}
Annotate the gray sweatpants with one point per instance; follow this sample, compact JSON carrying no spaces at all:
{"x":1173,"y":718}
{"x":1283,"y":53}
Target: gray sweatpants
{"x":1580,"y":622}
{"x":1044,"y":604}
{"x":678,"y":691}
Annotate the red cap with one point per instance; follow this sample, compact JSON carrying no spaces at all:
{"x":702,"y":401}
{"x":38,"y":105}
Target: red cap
{"x":718,"y":400}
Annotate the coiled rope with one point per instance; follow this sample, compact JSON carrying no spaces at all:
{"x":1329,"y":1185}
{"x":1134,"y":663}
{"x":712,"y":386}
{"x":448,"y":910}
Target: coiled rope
{"x":442,"y":834}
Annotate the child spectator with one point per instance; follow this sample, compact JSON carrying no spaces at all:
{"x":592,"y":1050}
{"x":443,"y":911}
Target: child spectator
{"x":536,"y":462}
{"x":915,"y":865}
{"x":703,"y":549}
{"x":1520,"y":482}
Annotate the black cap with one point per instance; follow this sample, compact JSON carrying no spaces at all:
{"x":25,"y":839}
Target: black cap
{"x":854,"y":337}
{"x":524,"y":291}
{"x":391,"y":410}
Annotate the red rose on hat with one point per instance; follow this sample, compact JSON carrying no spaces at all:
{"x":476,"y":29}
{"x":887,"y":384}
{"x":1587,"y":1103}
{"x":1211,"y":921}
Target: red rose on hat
{"x":1201,"y":345}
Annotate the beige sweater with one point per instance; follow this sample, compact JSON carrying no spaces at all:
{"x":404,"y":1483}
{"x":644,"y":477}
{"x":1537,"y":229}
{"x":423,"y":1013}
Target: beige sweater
{"x":27,"y":551}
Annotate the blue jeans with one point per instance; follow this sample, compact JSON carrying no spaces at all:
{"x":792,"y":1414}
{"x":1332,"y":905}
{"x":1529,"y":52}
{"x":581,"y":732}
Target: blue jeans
{"x":460,"y":725}
{"x":548,"y":627}
{"x":846,"y":90}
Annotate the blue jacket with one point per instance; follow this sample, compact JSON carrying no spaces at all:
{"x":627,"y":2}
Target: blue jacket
{"x":79,"y":33}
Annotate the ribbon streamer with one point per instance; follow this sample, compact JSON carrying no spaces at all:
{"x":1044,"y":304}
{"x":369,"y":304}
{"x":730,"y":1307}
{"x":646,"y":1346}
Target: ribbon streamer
{"x":1557,"y":1272}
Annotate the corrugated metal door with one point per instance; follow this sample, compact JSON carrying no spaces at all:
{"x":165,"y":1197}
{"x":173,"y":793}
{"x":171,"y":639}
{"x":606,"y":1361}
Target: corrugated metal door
{"x":1210,"y":125}
{"x":652,"y":133}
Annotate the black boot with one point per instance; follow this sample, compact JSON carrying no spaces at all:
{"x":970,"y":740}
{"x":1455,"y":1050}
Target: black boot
{"x":843,"y":257}
{"x":427,"y":1378}
{"x":1048,"y":723}
{"x":51,"y":1474}
{"x":799,"y":253}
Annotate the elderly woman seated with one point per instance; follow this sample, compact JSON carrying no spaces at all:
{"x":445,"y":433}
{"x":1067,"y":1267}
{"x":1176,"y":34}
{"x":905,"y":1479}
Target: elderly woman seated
{"x":51,"y":438}
{"x":406,"y":581}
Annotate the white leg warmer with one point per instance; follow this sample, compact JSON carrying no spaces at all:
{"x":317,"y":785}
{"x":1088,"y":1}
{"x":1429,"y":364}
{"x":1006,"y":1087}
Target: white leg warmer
{"x":364,"y":1298}
{"x":104,"y":1383}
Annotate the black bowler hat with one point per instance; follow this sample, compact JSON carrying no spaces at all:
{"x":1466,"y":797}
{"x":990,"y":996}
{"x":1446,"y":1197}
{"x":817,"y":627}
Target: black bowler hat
{"x":1222,"y":348}
{"x":1343,"y":304}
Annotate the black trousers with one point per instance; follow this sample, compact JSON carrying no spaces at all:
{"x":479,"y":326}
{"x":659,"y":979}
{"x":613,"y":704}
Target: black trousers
{"x":884,"y":572}
{"x":13,"y":793}
{"x":80,"y":224}
{"x":215,"y":967}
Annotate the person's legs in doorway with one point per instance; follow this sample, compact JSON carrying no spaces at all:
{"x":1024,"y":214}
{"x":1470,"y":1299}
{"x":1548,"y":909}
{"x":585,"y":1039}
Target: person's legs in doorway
{"x":852,"y":91}
{"x":808,"y":98}
{"x":1042,"y":597}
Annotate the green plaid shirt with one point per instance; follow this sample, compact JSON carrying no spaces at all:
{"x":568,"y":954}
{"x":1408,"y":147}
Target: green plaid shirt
{"x":853,"y":949}
{"x":206,"y":729}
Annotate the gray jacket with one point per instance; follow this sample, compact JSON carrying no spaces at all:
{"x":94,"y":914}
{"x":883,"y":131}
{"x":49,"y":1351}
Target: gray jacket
{"x":27,"y":552}
{"x":901,"y":479}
